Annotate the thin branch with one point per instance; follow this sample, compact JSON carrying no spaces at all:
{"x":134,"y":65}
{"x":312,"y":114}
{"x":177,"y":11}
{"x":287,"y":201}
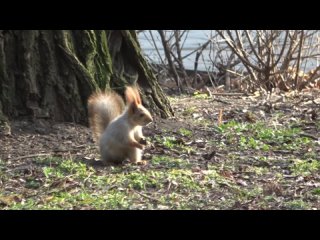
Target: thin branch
{"x":168,"y":56}
{"x":155,"y":46}
{"x":298,"y":64}
{"x":245,"y":63}
{"x":282,"y":49}
{"x":253,"y":48}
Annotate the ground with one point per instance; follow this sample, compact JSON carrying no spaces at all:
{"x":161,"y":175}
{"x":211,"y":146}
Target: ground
{"x":217,"y":152}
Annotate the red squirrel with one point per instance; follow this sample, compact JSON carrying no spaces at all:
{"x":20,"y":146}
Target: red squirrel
{"x":118,"y":127}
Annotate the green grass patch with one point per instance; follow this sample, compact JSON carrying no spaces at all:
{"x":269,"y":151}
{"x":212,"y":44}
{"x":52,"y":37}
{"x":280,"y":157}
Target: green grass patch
{"x":305,"y":167}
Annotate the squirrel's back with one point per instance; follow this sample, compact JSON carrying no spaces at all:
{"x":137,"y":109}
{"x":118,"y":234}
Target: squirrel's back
{"x":103,"y":107}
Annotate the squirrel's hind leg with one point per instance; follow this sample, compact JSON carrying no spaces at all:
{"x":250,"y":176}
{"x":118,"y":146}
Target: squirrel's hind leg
{"x":135,"y":156}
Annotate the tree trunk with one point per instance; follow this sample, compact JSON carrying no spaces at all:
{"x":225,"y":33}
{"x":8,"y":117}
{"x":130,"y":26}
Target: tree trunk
{"x":51,"y":73}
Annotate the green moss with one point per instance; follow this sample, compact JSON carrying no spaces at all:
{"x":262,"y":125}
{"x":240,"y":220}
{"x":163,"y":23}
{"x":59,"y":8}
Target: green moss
{"x":103,"y":60}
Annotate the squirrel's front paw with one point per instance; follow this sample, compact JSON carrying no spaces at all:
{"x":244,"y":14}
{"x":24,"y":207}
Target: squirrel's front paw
{"x":141,"y":162}
{"x":136,"y":144}
{"x":143,"y":141}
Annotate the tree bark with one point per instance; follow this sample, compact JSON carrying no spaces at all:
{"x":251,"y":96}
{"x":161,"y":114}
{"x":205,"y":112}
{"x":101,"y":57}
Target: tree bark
{"x":51,"y":73}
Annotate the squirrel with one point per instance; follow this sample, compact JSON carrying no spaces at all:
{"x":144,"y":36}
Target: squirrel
{"x":117,"y":127}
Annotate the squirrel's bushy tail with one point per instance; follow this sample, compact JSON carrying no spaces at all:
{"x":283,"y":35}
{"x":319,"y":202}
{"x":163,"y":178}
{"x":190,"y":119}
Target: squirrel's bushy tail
{"x":103,"y":107}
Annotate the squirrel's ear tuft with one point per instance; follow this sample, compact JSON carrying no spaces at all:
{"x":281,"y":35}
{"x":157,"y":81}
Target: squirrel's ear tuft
{"x":132,"y":95}
{"x":137,"y":95}
{"x":129,"y":94}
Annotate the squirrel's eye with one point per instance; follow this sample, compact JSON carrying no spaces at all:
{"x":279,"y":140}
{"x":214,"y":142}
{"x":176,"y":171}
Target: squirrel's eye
{"x":141,"y":114}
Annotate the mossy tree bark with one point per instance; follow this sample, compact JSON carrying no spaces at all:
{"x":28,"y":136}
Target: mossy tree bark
{"x":51,"y":73}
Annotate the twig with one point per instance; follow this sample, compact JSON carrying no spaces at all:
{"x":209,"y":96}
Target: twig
{"x":235,"y":73}
{"x":145,"y":196}
{"x":308,"y":135}
{"x":315,"y":103}
{"x":86,"y":179}
{"x":219,"y":100}
{"x":46,"y":154}
{"x":82,"y":145}
{"x":282,"y":151}
{"x":29,"y":156}
{"x":19,"y":168}
{"x":232,"y":94}
{"x":220,"y":117}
